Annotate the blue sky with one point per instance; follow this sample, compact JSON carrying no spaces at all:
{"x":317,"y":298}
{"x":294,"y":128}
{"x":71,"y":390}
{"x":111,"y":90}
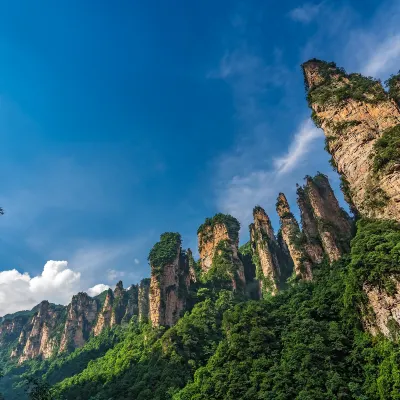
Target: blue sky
{"x":122,"y":120}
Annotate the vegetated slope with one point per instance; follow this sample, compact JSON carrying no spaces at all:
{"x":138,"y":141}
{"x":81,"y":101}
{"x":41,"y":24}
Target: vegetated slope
{"x":305,"y":343}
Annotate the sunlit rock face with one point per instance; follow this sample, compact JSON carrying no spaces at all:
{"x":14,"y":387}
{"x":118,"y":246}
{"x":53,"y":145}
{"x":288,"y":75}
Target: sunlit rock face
{"x":218,"y":240}
{"x":354,"y":113}
{"x":168,"y":282}
{"x":265,"y":248}
{"x":290,"y":234}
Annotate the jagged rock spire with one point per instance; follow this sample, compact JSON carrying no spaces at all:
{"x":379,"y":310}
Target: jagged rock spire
{"x":168,"y":267}
{"x":313,"y":245}
{"x":291,"y":234}
{"x":333,"y":223}
{"x":144,"y":300}
{"x":265,"y":247}
{"x":218,"y":240}
{"x":362,"y":128}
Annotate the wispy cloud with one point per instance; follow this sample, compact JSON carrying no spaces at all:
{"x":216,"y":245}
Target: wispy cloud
{"x":238,"y":192}
{"x":385,"y":58}
{"x":306,"y":12}
{"x":300,"y":146}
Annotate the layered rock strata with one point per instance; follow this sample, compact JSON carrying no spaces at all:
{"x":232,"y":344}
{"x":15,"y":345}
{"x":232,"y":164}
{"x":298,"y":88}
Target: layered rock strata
{"x":144,"y":300}
{"x":355,"y":112}
{"x":324,"y":222}
{"x":81,"y":318}
{"x":291,"y":235}
{"x":218,"y":241}
{"x":169,"y":270}
{"x":265,"y":247}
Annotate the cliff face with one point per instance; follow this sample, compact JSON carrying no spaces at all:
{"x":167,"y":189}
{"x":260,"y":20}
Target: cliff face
{"x":131,"y":303}
{"x":50,"y":328}
{"x":105,"y":317}
{"x":355,"y":113}
{"x":393,"y":84}
{"x":81,"y":317}
{"x":323,"y":221}
{"x":218,"y":241}
{"x":169,"y":272}
{"x":39,"y":337}
{"x":312,"y":245}
{"x":11,"y":328}
{"x":265,"y":248}
{"x":385,"y":311}
{"x":291,"y":235}
{"x":144,"y":300}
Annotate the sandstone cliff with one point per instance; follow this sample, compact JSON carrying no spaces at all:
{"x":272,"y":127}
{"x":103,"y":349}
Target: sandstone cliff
{"x":265,"y":248}
{"x":81,"y":317}
{"x":105,"y":317}
{"x":394,"y":87}
{"x":218,"y":241}
{"x":324,"y":222}
{"x":169,"y":271}
{"x":292,"y":236}
{"x":361,"y":125}
{"x":40,"y":337}
{"x":144,"y":300}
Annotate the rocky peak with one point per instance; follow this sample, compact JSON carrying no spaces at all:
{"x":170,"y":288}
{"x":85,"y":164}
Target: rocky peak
{"x":264,"y":248}
{"x":218,"y":241}
{"x":193,"y":268}
{"x":167,"y":286}
{"x":333,"y":224}
{"x":130,"y":303}
{"x":81,"y":317}
{"x":312,"y":245}
{"x":41,"y":337}
{"x":144,"y":300}
{"x":316,"y":72}
{"x":291,"y":235}
{"x":361,"y":124}
{"x":104,"y":319}
{"x":393,"y":84}
{"x":119,"y":289}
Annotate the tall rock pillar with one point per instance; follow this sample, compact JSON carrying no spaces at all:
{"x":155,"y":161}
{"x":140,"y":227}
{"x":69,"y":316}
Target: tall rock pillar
{"x":144,"y":300}
{"x":293,"y":238}
{"x":167,"y":286}
{"x":333,"y":224}
{"x":218,"y":240}
{"x":264,"y":248}
{"x":362,"y":129}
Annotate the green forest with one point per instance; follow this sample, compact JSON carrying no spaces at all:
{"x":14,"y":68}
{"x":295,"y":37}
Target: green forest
{"x":307,"y":342}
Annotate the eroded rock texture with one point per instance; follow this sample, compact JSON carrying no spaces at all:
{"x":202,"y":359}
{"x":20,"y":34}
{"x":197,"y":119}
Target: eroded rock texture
{"x":265,"y":247}
{"x":218,"y":241}
{"x":144,"y":300}
{"x":40,"y":336}
{"x":323,"y":220}
{"x":384,"y":316}
{"x":354,"y":113}
{"x":81,"y":317}
{"x":169,"y":270}
{"x":106,"y":317}
{"x":291,"y":235}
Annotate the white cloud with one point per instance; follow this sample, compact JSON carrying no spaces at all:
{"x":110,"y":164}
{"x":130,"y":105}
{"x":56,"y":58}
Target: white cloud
{"x":136,"y":261}
{"x":385,"y":58}
{"x":56,"y":283}
{"x":299,"y":147}
{"x":238,"y":190}
{"x":305,"y":13}
{"x":113,"y":275}
{"x":97,"y":289}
